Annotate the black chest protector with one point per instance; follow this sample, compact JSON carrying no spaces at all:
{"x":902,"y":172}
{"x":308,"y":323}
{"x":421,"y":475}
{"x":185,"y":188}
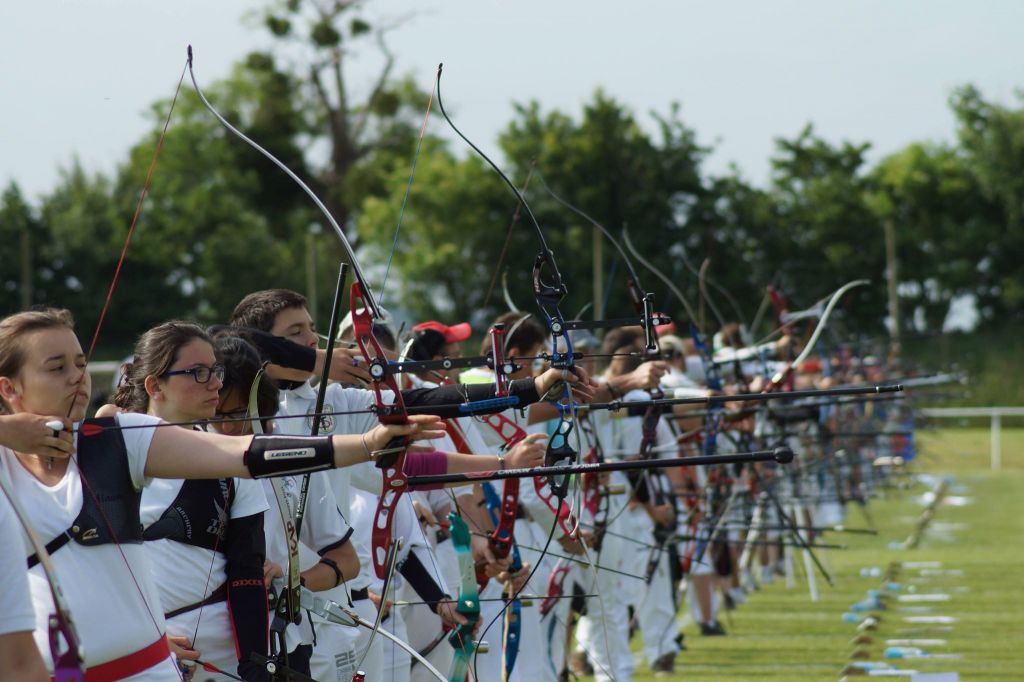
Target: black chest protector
{"x":198,"y":516}
{"x":110,"y":502}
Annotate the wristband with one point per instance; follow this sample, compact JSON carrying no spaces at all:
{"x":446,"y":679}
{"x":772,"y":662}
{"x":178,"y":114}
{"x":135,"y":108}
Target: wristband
{"x":501,"y":462}
{"x":338,"y":577}
{"x":615,"y":393}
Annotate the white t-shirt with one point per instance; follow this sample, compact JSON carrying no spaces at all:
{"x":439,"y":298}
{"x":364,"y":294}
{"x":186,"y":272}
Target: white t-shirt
{"x":16,"y":613}
{"x":116,"y":606}
{"x":323,"y":526}
{"x":302,"y":400}
{"x":186,"y":574}
{"x":339,"y":398}
{"x":528,"y":497}
{"x":406,"y":527}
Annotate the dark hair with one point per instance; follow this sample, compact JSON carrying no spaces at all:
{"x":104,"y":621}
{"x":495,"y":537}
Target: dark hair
{"x":621,"y":337}
{"x":14,"y":328}
{"x":260,"y":308}
{"x":425,"y":344}
{"x":623,"y":363}
{"x":241,"y":364}
{"x":155,"y":352}
{"x":523,"y":332}
{"x":384,"y":336}
{"x":731,"y":336}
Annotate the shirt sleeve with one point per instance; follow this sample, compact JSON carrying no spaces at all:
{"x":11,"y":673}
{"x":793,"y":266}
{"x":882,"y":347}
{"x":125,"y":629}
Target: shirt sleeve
{"x":324,"y":527}
{"x":474,"y":438}
{"x":249,"y":498}
{"x":137,"y":442}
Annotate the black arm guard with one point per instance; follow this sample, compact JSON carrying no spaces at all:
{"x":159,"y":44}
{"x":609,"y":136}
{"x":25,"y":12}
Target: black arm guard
{"x":273,"y":455}
{"x":421,"y":581}
{"x":245,"y":550}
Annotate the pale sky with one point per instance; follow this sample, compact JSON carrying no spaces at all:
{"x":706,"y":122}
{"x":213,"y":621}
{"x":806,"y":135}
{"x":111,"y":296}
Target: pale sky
{"x":78,"y":75}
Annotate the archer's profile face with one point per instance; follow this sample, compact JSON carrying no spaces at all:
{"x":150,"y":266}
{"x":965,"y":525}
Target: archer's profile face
{"x":231,"y":409}
{"x":295,"y":324}
{"x":53,"y":380}
{"x":178,"y":396}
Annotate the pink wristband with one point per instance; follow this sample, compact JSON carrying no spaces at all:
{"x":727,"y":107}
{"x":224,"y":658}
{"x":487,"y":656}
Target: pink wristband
{"x":426,"y":464}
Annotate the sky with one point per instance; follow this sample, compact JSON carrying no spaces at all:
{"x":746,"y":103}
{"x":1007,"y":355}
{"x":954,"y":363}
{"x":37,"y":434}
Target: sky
{"x":79,"y":75}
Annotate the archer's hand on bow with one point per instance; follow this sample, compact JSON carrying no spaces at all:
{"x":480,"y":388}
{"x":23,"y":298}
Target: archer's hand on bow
{"x":515,"y":580}
{"x":425,"y":515}
{"x":375,"y":598}
{"x":551,"y":381}
{"x":483,"y":555}
{"x":577,"y":545}
{"x":347,"y":366}
{"x":29,"y":434}
{"x":782,"y":345}
{"x":645,"y":377}
{"x":662,"y":514}
{"x":420,"y":427}
{"x":451,"y":618}
{"x":527,"y":453}
{"x":271,"y":571}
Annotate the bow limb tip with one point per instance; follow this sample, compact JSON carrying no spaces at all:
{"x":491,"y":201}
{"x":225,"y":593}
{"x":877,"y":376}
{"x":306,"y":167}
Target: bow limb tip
{"x":189,"y":53}
{"x":440,"y":67}
{"x":782,"y":455}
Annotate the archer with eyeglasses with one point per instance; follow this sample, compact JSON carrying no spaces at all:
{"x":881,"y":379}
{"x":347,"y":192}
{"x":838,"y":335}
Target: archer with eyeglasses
{"x":201,"y":373}
{"x":205,"y":538}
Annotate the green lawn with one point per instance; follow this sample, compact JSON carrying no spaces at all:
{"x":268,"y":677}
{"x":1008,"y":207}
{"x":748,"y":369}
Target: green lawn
{"x":780,"y":634}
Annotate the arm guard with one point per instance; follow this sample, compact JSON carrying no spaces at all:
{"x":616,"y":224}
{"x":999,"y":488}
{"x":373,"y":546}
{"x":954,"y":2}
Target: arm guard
{"x":271,"y":455}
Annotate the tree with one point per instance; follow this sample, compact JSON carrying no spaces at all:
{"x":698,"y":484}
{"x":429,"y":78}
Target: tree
{"x":457,"y":231}
{"x":18,"y":225}
{"x":450,"y":234}
{"x":943,"y":225}
{"x":825,"y":232}
{"x":327,"y":33}
{"x":609,"y":166}
{"x":991,"y":139}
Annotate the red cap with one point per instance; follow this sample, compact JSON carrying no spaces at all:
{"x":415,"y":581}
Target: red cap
{"x":453,"y":334}
{"x":811,"y":366}
{"x":663,"y":329}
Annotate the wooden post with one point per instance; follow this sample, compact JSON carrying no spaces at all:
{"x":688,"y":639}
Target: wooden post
{"x":996,"y":444}
{"x":26,"y":267}
{"x":893,"y":285}
{"x":598,"y":271}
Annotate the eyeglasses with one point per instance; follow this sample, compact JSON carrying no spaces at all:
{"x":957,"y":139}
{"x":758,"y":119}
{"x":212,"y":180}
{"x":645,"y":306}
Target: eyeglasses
{"x":201,"y":374}
{"x":232,"y":415}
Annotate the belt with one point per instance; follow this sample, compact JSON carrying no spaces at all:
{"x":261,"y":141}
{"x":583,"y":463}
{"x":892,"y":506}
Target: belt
{"x":357,"y":595}
{"x":217,"y":596}
{"x":129,"y":665}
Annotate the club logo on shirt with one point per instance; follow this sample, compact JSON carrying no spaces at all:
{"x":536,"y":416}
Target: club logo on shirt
{"x":327,"y":421}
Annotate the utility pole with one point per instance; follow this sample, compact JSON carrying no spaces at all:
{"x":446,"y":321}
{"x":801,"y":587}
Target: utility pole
{"x":26,"y":267}
{"x":311,"y":234}
{"x":598,"y":270}
{"x":893,"y":286}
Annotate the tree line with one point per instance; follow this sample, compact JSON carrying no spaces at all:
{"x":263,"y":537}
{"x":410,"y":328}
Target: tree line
{"x":220,"y":221}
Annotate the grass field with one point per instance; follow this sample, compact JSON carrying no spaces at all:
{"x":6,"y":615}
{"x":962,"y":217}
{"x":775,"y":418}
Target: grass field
{"x":781,"y":635}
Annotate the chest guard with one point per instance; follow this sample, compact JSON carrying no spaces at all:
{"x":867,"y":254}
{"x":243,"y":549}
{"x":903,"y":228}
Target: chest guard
{"x":198,"y":516}
{"x":110,"y":502}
